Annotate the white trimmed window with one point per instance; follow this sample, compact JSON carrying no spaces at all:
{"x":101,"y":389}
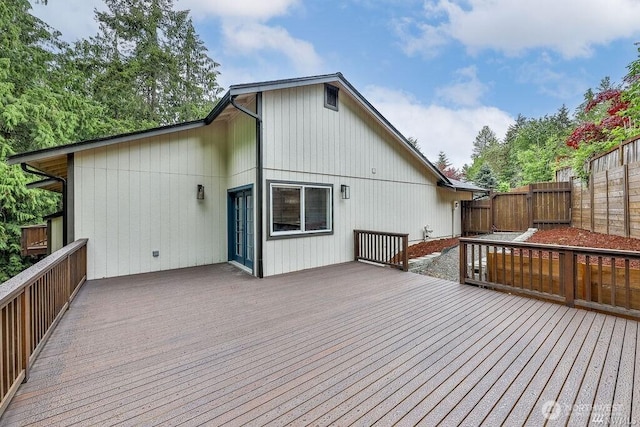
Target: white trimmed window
{"x":300,"y":209}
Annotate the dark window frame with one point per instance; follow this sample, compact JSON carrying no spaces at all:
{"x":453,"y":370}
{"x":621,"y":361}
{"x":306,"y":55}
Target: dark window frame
{"x":271,"y":235}
{"x":331,"y":93}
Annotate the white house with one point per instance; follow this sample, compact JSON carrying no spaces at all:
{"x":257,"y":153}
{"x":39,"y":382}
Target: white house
{"x":261,"y":182}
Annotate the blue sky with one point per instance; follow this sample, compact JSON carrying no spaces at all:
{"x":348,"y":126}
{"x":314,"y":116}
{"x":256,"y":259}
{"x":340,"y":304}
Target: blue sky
{"x":439,"y":70}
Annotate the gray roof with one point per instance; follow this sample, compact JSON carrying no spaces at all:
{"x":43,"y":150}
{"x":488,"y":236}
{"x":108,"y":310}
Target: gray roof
{"x":466,"y":186}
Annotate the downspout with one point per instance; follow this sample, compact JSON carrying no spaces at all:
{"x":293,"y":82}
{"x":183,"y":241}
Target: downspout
{"x":259,"y":187}
{"x":25,"y":167}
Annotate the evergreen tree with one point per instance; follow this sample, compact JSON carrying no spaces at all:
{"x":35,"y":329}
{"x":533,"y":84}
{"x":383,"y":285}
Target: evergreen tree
{"x":40,"y":107}
{"x":147,"y":62}
{"x":443,"y":162}
{"x":485,"y":139}
{"x":485,"y":178}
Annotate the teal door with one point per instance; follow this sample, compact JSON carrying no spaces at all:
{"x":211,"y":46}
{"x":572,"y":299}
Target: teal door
{"x":241,"y":229}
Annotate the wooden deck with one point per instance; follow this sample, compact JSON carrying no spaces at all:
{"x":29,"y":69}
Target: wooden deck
{"x":349,"y":344}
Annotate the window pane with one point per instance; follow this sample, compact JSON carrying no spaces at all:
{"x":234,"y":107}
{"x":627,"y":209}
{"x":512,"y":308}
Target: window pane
{"x":316,"y":209}
{"x":286,"y":209}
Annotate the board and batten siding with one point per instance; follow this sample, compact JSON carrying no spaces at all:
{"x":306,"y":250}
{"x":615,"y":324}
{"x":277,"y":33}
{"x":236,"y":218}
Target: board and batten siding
{"x":390,"y":189}
{"x":138,"y":197}
{"x":241,"y":157}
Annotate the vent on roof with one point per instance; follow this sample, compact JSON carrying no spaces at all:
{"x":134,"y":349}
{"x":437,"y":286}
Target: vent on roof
{"x":331,"y":97}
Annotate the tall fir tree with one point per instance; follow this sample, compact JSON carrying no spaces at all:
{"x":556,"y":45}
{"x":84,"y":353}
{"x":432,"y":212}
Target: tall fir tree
{"x":147,"y":62}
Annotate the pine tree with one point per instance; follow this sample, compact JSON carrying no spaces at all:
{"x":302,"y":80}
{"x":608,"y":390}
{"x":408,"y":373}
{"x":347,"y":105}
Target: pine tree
{"x":443,"y":162}
{"x":485,"y":178}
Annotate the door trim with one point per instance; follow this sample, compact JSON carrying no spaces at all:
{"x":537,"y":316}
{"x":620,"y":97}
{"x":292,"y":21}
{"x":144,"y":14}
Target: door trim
{"x":231,"y":227}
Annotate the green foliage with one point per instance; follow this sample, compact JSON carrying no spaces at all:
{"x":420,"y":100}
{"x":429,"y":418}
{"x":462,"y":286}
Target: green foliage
{"x":528,"y":153}
{"x":443,"y":162}
{"x":146,"y":67}
{"x":485,"y":178}
{"x":147,"y":63}
{"x":18,"y":206}
{"x":581,"y":156}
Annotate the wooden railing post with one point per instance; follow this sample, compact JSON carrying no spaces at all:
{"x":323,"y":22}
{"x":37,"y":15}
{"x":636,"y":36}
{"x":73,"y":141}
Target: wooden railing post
{"x":405,"y":252}
{"x":70,"y":279}
{"x":463,"y":262}
{"x":568,"y":259}
{"x":356,"y":245}
{"x":26,"y":331}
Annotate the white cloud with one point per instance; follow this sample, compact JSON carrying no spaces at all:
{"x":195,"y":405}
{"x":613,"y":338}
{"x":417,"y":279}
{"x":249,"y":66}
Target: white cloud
{"x":245,"y":9}
{"x":438,"y":128}
{"x":550,"y":82}
{"x":243,"y":24}
{"x":251,"y":38}
{"x":73,"y":18}
{"x":466,"y":91}
{"x":570,"y":27}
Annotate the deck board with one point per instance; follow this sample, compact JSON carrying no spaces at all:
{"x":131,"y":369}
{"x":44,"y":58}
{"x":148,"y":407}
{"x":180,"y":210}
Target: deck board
{"x":347,"y":344}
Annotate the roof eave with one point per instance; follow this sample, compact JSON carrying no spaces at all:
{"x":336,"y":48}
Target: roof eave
{"x":100,"y":142}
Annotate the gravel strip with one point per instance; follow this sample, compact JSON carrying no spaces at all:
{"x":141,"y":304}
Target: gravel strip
{"x":447,"y":265}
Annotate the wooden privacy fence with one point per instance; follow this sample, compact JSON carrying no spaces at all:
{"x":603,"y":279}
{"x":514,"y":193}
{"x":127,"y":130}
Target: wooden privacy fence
{"x":31,"y":305}
{"x":382,"y":248}
{"x":543,"y":205}
{"x":33,"y":240}
{"x":600,"y":279}
{"x":610,"y":202}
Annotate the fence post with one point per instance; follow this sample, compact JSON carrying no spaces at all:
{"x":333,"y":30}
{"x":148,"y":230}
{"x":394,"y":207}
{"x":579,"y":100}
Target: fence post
{"x":569,"y":276}
{"x":492,"y":197}
{"x":356,"y":246}
{"x":530,"y":205}
{"x":591,"y":198}
{"x":625,"y":189}
{"x":606,"y":180}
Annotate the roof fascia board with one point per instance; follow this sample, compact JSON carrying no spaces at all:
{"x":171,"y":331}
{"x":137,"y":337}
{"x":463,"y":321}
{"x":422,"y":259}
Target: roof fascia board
{"x":244,"y":89}
{"x":98,"y":143}
{"x":218,"y":109}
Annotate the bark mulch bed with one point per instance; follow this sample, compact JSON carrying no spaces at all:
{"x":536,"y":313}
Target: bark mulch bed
{"x":570,"y":236}
{"x":426,"y":248}
{"x":567,"y":236}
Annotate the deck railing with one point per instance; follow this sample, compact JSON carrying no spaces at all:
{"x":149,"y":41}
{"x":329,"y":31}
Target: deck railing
{"x":31,"y":305}
{"x":33,"y":240}
{"x":600,"y":279}
{"x":381,"y":248}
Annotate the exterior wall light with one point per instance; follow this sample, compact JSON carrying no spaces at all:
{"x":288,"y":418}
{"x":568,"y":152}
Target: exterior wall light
{"x":345,"y":191}
{"x":200,"y":195}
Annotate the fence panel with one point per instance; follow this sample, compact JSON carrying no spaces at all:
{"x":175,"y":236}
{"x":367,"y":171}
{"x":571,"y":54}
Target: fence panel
{"x":550,"y":205}
{"x":633,"y":184}
{"x":580,"y":204}
{"x":511,"y":212}
{"x":541,"y":205}
{"x":610,"y":203}
{"x":600,"y":208}
{"x":476,"y":217}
